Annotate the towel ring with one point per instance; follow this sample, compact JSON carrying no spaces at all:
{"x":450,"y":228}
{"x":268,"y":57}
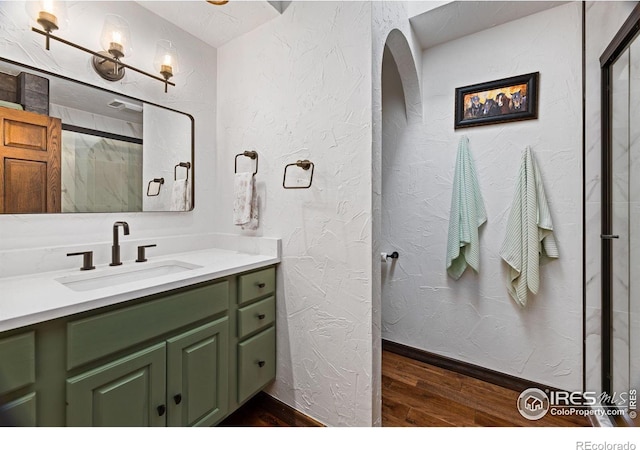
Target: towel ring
{"x":160,"y":182}
{"x":304,"y":165}
{"x":249,"y":154}
{"x":186,"y":165}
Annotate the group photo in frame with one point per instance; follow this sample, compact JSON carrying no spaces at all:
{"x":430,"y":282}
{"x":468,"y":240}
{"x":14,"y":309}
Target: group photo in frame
{"x":499,"y":101}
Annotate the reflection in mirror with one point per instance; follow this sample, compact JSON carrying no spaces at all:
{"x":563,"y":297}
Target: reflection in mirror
{"x":162,"y":152}
{"x":100,"y":172}
{"x":71,"y":147}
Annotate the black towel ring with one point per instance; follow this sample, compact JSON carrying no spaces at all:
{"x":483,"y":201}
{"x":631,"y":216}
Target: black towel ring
{"x":160,"y":182}
{"x":304,"y":164}
{"x":186,"y":165}
{"x":249,"y":154}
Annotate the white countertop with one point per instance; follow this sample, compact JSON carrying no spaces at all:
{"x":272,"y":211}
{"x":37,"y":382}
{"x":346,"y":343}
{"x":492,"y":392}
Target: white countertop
{"x":34,"y":298}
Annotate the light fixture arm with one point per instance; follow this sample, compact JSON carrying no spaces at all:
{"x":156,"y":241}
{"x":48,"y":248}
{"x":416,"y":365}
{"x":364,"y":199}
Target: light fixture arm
{"x":48,"y":39}
{"x":115,"y":61}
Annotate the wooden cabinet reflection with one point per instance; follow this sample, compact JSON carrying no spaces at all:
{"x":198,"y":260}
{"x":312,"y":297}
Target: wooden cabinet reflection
{"x":29,"y":162}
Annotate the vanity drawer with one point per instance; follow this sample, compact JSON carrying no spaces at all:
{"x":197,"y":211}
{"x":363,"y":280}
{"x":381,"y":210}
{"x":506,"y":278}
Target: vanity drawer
{"x":256,"y":363}
{"x":256,"y":284}
{"x":97,"y":336}
{"x":256,"y":316}
{"x":17,"y":361}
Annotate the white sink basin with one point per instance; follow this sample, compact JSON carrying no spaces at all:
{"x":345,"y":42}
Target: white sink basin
{"x":102,"y":278}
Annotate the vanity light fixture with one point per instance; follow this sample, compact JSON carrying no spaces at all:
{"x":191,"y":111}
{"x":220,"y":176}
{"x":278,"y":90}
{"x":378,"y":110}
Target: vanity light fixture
{"x":166,"y":60}
{"x":115,"y":40}
{"x":50,"y":15}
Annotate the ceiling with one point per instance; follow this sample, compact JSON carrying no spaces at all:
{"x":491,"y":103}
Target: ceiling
{"x":434,"y":22}
{"x":453,"y":20}
{"x":215,"y":25}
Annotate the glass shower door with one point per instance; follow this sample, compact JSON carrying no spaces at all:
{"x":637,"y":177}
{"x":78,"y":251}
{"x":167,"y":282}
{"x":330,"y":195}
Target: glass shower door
{"x":624,"y":190}
{"x":633,"y":306}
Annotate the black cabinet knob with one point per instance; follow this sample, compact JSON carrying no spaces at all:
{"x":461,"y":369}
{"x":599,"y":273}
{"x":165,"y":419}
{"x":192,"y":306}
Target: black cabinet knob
{"x":177,"y":398}
{"x":261,"y":316}
{"x":261,"y":285}
{"x":161,"y":410}
{"x":261,"y":363}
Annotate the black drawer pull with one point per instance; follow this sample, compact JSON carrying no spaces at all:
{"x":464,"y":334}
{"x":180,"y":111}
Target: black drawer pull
{"x":161,"y":410}
{"x":261,"y":285}
{"x":261,"y":316}
{"x":261,"y":363}
{"x":177,"y":398}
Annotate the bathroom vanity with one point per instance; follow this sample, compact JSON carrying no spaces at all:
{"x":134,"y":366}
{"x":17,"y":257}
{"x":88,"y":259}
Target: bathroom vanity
{"x":186,"y":348}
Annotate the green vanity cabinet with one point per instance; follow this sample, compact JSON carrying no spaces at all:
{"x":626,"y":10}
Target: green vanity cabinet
{"x":17,"y":378}
{"x":186,"y":357}
{"x":179,"y":382}
{"x":256,"y":335}
{"x":180,"y":379}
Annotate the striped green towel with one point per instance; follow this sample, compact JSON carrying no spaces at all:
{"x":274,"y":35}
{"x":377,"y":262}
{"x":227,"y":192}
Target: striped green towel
{"x":529,"y":242}
{"x":466,"y":215}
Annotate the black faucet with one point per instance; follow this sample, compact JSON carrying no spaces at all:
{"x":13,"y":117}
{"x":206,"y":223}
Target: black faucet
{"x":115,"y":248}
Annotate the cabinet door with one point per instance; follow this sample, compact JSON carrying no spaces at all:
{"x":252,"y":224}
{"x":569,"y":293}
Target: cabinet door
{"x":256,"y":363}
{"x":197,"y":375}
{"x":127,"y":392}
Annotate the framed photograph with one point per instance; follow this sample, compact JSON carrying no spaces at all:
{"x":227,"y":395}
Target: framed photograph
{"x":499,"y":101}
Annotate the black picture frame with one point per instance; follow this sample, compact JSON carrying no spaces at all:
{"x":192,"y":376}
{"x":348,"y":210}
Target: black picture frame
{"x":499,"y":101}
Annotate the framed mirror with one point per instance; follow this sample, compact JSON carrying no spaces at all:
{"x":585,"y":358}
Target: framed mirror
{"x":69,"y":147}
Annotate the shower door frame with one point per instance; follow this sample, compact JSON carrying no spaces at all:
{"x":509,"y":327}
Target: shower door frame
{"x":621,"y":41}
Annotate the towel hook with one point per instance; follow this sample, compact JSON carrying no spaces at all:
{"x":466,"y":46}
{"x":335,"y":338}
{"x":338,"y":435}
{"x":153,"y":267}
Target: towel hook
{"x":304,"y":164}
{"x":249,"y":154}
{"x":186,"y":165}
{"x":160,"y":182}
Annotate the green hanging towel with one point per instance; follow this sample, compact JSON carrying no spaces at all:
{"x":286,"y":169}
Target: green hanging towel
{"x":529,"y":242}
{"x":466,"y":215}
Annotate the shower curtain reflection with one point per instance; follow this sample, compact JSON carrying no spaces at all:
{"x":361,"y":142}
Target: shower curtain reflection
{"x":100,"y":174}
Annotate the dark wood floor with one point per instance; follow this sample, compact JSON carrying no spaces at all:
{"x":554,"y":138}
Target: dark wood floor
{"x":265,"y":411}
{"x":421,"y":395}
{"x":416,"y":394}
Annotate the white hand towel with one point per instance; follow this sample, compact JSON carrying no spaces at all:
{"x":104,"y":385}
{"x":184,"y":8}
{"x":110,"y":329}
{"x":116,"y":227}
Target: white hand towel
{"x":529,"y":242}
{"x":466,"y":215}
{"x":245,"y":206}
{"x":180,"y":196}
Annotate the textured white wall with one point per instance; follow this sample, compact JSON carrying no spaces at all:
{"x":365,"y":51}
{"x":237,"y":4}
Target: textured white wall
{"x":389,"y":25}
{"x":474,"y":319}
{"x":195,"y":94}
{"x":300,"y":87}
